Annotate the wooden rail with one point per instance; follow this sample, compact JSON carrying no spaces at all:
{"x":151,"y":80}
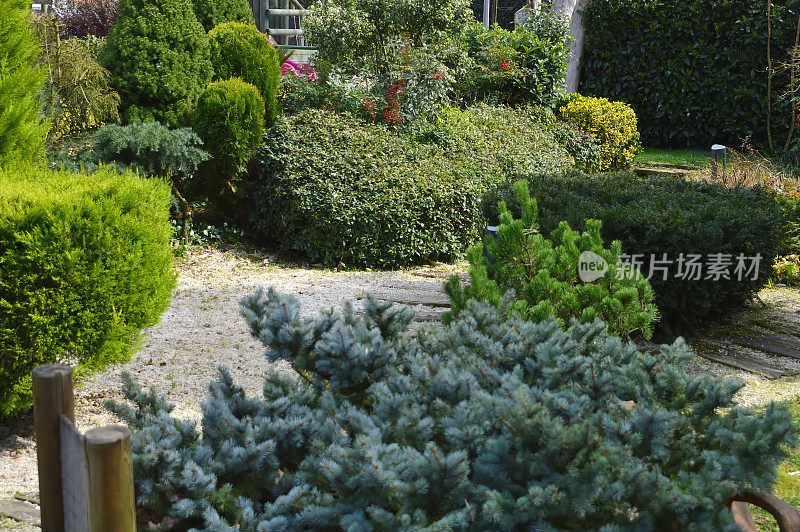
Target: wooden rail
{"x":85,"y":480}
{"x":281,"y":19}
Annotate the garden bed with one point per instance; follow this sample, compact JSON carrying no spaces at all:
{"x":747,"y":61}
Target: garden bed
{"x":202,"y":329}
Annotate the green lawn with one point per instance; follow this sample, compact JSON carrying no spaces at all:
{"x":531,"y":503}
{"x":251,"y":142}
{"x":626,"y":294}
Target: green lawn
{"x":787,"y":486}
{"x":679,"y":156}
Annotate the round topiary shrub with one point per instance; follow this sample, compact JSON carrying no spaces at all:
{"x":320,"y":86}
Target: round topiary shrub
{"x":86,"y":264}
{"x":229,"y":117}
{"x":611,"y":123}
{"x":158,"y":56}
{"x":210,"y":13}
{"x":241,"y":51}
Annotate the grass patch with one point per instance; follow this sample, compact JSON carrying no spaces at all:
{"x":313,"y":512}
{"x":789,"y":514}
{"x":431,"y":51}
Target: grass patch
{"x":787,"y":487}
{"x":682,"y":156}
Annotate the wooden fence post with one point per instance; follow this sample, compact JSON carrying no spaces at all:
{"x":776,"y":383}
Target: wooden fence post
{"x":111,"y":499}
{"x":52,"y":397}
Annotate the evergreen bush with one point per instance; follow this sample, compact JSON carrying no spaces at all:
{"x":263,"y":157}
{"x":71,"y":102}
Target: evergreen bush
{"x":545,"y":275}
{"x":22,"y":132}
{"x":241,"y":51}
{"x":693,"y":78}
{"x":340,"y":191}
{"x":211,"y":13}
{"x":487,"y":424}
{"x":613,"y":124}
{"x":653,"y":216}
{"x":86,"y":265}
{"x":229,"y":118}
{"x":158,"y":56}
{"x":151,"y":149}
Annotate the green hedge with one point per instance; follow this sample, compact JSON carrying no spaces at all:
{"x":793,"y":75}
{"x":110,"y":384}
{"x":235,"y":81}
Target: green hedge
{"x":664,"y":215}
{"x":693,"y":70}
{"x":338,"y":190}
{"x":85,"y":264}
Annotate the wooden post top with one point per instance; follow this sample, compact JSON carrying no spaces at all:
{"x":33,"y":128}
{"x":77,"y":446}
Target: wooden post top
{"x":105,"y":435}
{"x":50,"y":371}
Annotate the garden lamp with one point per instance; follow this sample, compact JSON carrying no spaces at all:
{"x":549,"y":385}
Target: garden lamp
{"x":716,"y":150}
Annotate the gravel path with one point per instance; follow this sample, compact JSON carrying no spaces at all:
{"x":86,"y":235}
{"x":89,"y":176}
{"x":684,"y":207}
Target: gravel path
{"x":202,"y":329}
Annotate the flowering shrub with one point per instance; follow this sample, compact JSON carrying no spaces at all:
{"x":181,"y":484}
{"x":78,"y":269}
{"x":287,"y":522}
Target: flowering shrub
{"x":304,"y":70}
{"x":387,"y":108}
{"x":526,"y":65}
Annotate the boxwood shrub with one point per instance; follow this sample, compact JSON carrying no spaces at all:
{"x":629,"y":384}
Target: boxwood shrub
{"x":338,"y":190}
{"x":84,"y":265}
{"x":657,"y":215}
{"x":613,"y":124}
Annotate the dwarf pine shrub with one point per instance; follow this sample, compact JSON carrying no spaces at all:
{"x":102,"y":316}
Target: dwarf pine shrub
{"x":485,"y":424}
{"x":544,"y":274}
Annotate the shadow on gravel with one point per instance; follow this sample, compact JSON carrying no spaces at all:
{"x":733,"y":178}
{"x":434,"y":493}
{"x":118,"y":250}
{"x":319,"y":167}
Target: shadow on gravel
{"x":13,"y":433}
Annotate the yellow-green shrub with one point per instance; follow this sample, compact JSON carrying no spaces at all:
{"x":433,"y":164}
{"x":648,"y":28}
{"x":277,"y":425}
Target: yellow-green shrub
{"x":611,"y":123}
{"x":85,"y":264}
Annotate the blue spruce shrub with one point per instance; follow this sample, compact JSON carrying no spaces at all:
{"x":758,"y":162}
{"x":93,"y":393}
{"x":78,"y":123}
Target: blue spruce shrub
{"x":487,"y":423}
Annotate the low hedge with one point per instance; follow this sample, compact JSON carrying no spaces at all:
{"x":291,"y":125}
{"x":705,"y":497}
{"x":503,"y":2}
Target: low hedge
{"x":85,"y":264}
{"x":656,"y":215}
{"x":338,"y":190}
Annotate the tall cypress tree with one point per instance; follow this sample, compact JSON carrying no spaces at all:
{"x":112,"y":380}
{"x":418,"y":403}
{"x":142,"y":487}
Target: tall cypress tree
{"x":22,"y":130}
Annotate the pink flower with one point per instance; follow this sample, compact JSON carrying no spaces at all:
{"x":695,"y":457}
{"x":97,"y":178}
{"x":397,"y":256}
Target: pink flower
{"x":298,"y":69}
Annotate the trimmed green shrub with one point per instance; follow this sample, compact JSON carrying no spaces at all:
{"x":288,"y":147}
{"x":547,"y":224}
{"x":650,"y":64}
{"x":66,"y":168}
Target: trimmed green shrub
{"x":487,"y":424}
{"x":211,"y":13}
{"x":660,"y":215}
{"x":546,"y":278}
{"x":497,"y":142}
{"x":158,"y":56}
{"x":341,"y":191}
{"x":86,"y":265}
{"x":613,"y":124}
{"x":229,"y":117}
{"x":22,"y":133}
{"x":694,"y":71}
{"x":241,"y":51}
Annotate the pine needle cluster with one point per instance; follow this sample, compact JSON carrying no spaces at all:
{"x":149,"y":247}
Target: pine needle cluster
{"x":543,"y":274}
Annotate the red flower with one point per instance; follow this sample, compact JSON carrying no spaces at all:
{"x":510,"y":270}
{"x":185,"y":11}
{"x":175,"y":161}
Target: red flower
{"x":504,"y":66}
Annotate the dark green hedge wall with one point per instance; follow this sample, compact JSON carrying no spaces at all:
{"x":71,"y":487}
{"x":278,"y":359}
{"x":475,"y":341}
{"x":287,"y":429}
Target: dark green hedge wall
{"x":695,"y":71}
